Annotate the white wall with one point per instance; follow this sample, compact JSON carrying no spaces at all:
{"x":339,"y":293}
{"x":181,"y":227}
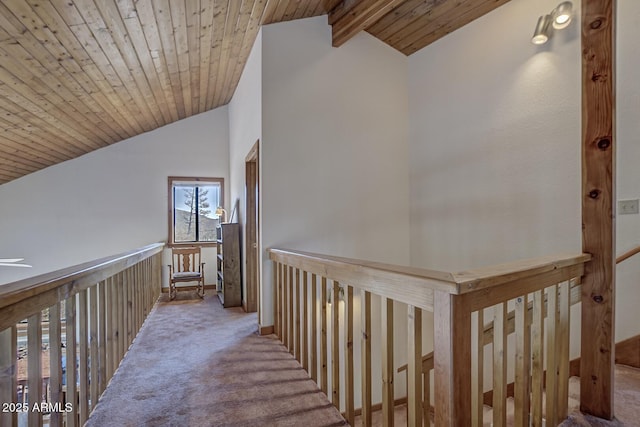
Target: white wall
{"x":628,"y":179}
{"x":110,"y":200}
{"x":335,"y":166}
{"x":245,"y":129}
{"x":495,"y":135}
{"x":495,"y":142}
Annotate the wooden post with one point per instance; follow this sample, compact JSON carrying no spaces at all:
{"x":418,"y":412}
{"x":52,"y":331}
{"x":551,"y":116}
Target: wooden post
{"x":55,"y":362}
{"x":70,"y":372}
{"x":335,"y":345}
{"x":305,"y":322}
{"x":365,"y":350}
{"x":598,"y":207}
{"x":276,"y":299}
{"x":83,"y":369}
{"x":298,"y":298}
{"x":34,"y":369}
{"x":349,"y":395}
{"x":386,"y":321}
{"x":9,"y":373}
{"x":452,"y":360}
{"x":94,"y":367}
{"x":414,"y":366}
{"x":323,"y":337}
{"x":314,"y":329}
{"x":523,"y":358}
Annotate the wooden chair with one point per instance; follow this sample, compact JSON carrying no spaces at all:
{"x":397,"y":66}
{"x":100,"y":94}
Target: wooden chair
{"x":186,"y":266}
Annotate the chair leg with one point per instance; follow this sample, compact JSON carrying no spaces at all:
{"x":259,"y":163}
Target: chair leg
{"x":201,"y":289}
{"x":172,"y":291}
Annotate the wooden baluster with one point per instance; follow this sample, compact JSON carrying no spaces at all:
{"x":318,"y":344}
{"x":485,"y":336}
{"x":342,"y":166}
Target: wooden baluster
{"x":499,"y":366}
{"x":387,"y":362}
{"x":285,"y":312}
{"x":365,"y":350}
{"x":452,"y":359}
{"x":414,"y":366}
{"x":551,"y":386}
{"x":84,"y":357}
{"x":130,"y":321}
{"x":426,"y":397}
{"x":477,"y":371}
{"x":523,"y":355}
{"x":298,"y":316}
{"x":314,"y":329}
{"x":348,"y":357}
{"x":290,"y":297}
{"x":305,"y":322}
{"x":324,"y":377}
{"x":9,"y":373}
{"x":276,"y":300}
{"x":111,"y":325}
{"x":94,"y":367}
{"x":102,"y":334}
{"x":120,"y":315}
{"x":34,"y":368}
{"x":335,"y":345}
{"x":564,"y":309}
{"x":537,"y":362}
{"x":55,"y":362}
{"x":70,"y":372}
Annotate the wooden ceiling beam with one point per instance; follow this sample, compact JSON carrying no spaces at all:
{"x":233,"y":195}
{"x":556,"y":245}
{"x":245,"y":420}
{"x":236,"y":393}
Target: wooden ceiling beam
{"x":349,"y":18}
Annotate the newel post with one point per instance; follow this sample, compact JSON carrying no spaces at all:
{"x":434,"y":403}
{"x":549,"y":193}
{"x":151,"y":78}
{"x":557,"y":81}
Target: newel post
{"x":452,"y":360}
{"x":598,"y":207}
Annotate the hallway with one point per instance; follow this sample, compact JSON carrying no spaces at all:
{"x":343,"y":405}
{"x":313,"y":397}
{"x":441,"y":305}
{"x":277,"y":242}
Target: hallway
{"x":196,"y":364}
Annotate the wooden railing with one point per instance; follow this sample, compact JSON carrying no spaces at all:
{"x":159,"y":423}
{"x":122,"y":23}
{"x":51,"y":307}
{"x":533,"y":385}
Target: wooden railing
{"x":80,"y":321}
{"x":460,"y":302}
{"x":628,"y":254}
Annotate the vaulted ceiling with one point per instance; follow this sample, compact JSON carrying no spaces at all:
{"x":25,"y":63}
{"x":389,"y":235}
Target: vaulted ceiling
{"x":78,"y":75}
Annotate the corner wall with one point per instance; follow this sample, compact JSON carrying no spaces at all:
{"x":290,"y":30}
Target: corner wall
{"x":110,"y":200}
{"x":245,"y":129}
{"x":335,"y":166}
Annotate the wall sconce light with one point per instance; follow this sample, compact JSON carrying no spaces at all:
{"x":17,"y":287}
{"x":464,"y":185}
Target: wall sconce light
{"x":558,"y":19}
{"x":220,"y":211}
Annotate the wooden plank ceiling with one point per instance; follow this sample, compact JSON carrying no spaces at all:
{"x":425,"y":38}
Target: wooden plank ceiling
{"x":78,"y":75}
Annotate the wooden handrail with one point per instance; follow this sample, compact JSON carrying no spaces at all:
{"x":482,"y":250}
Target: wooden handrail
{"x":17,"y":298}
{"x":415,"y":286}
{"x":628,"y":254}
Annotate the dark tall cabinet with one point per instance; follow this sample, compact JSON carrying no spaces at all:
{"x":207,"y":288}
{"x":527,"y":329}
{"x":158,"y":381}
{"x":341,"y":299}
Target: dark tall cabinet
{"x":229,"y":281}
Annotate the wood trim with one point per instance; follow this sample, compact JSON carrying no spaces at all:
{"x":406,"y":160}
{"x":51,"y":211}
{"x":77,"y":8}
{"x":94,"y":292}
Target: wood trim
{"x":252,"y":279}
{"x":266,"y":330}
{"x":360,"y":16}
{"x":598,"y":206}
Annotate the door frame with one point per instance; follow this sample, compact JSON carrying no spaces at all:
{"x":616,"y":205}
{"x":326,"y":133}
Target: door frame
{"x":251,"y":302}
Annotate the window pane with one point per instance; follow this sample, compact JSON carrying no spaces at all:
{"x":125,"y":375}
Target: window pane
{"x":208,"y":197}
{"x":184,"y":213}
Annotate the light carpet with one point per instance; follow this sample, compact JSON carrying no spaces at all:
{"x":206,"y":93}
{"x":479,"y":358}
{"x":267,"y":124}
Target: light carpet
{"x":194,"y":363}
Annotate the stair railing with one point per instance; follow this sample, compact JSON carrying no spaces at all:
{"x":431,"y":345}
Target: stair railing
{"x":64,"y":333}
{"x":455,"y":299}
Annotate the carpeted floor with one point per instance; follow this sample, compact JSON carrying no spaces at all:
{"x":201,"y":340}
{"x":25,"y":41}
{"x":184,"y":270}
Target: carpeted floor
{"x":197,"y":364}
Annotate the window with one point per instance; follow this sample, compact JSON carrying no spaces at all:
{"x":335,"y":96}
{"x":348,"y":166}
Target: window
{"x":192,"y":208}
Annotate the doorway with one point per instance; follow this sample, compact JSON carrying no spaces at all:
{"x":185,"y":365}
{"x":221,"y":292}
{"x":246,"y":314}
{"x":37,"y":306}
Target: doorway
{"x":252,"y":231}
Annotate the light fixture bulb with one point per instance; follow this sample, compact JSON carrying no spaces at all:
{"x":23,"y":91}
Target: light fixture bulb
{"x":541,"y":34}
{"x":562,"y":15}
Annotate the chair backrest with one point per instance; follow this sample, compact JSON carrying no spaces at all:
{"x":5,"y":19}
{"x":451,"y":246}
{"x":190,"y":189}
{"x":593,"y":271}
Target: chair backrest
{"x":185,"y":259}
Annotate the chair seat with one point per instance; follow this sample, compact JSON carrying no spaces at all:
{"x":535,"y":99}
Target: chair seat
{"x":186,"y":275}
